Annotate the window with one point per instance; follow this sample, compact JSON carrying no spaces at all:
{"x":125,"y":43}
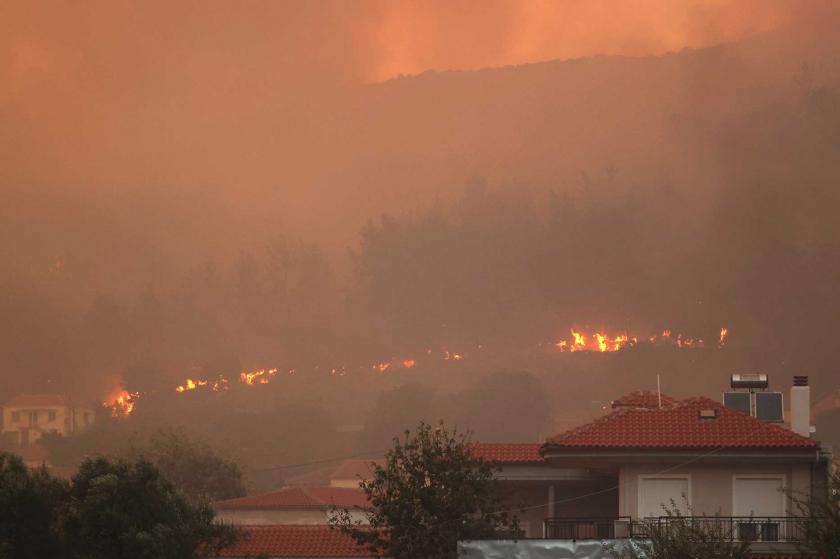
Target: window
{"x":15,"y":416}
{"x":51,"y":415}
{"x":758,"y":495}
{"x":656,"y":493}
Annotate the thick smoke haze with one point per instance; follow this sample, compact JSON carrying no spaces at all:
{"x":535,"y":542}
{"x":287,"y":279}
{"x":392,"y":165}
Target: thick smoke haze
{"x":202,"y":188}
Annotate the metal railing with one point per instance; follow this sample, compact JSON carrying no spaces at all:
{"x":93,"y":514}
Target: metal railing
{"x":738,"y":528}
{"x":594,"y":528}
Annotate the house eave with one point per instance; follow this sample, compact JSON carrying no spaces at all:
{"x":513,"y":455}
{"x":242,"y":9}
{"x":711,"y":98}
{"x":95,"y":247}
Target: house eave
{"x":784,"y":455}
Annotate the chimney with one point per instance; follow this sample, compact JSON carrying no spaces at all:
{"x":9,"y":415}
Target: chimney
{"x":800,"y":406}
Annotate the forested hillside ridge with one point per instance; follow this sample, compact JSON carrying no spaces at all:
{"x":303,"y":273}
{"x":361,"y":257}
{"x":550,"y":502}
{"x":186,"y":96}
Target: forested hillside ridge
{"x":477,"y":213}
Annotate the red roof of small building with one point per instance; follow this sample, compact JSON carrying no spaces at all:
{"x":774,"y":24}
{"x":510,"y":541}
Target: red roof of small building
{"x":36,"y":400}
{"x":287,"y":540}
{"x":299,"y":497}
{"x":509,"y":453}
{"x":356,"y":468}
{"x":644,"y":399}
{"x":681,"y":427}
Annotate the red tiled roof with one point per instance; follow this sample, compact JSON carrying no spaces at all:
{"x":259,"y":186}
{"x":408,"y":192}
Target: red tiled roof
{"x":509,"y":453}
{"x":299,"y":497}
{"x":355,"y":468}
{"x":680,"y":427}
{"x":287,"y":540}
{"x":643,"y":399}
{"x":35,"y":400}
{"x":319,"y":477}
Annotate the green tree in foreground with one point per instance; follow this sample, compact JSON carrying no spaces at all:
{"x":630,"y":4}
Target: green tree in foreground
{"x":128,"y":510}
{"x":197,"y":470}
{"x":110,"y":509}
{"x":683,"y":537}
{"x":431,"y":493}
{"x":819,"y":524}
{"x":30,"y":502}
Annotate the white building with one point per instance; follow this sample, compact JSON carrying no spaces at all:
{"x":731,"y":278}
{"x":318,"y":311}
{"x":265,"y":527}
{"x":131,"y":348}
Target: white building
{"x":29,"y":416}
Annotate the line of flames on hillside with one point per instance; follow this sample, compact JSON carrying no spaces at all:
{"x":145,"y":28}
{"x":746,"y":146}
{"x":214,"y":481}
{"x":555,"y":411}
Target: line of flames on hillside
{"x":604,"y":342}
{"x":122,"y":402}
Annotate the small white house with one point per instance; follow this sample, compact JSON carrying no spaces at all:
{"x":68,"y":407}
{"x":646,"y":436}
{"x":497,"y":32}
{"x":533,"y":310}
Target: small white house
{"x":29,"y":416}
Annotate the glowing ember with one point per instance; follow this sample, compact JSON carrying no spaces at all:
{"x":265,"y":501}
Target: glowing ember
{"x":382,"y":367}
{"x":409,"y":363}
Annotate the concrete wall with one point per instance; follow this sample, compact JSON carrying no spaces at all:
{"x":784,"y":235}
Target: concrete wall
{"x":541,"y":549}
{"x":711,"y":484}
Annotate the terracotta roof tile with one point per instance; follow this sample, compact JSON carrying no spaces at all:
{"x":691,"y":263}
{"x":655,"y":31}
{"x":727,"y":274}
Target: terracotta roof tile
{"x":680,"y":427}
{"x":355,"y":468}
{"x":643,"y":399}
{"x":320,"y":477}
{"x":509,"y":453}
{"x":299,"y":497}
{"x":295,"y":541}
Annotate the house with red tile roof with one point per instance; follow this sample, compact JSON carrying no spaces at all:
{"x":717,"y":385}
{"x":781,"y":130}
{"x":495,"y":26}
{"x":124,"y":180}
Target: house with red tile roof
{"x":290,"y":541}
{"x":292,"y":505}
{"x":348,"y":473}
{"x":644,"y":399}
{"x":28,"y":416}
{"x":606,"y":479}
{"x":602,"y":479}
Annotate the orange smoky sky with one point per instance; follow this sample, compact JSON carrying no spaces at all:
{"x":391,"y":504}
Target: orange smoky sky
{"x":369,"y":40}
{"x":258,"y":95}
{"x":465,"y":34}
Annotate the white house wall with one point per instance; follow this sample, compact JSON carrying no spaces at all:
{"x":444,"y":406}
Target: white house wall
{"x":711,"y":485}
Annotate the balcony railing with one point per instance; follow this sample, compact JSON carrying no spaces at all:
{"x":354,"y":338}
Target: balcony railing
{"x":596,"y":528}
{"x":745,"y":528}
{"x":740,"y":528}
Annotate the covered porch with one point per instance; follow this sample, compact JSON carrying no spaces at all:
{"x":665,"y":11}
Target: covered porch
{"x":541,"y":497}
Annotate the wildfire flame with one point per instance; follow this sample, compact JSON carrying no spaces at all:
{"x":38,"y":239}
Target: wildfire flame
{"x":121,"y":403}
{"x":598,"y":341}
{"x":261,"y":376}
{"x":602,"y":342}
{"x":190,"y":384}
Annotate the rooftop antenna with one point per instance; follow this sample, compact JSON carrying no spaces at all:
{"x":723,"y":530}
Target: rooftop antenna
{"x":659,"y":391}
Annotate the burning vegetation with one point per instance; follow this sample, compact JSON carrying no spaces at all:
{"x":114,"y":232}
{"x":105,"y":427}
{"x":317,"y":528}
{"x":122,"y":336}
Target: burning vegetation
{"x":604,"y":342}
{"x":122,"y":403}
